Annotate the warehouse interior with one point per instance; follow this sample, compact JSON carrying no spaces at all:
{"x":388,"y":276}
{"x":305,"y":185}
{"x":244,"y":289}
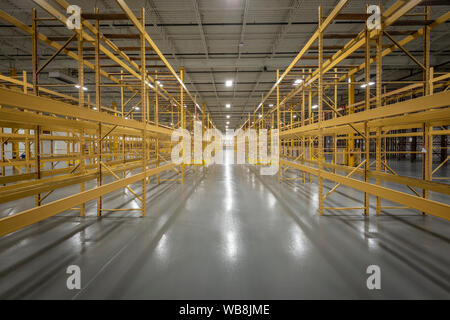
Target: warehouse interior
{"x":360,"y":113}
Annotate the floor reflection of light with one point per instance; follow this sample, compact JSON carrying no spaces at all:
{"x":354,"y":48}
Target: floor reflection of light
{"x":372,"y":243}
{"x":231,"y":245}
{"x":371,"y":235}
{"x":161,"y":249}
{"x":228,"y":199}
{"x":297,"y":242}
{"x":271,"y":200}
{"x":315,"y":197}
{"x":135,"y":205}
{"x":228,"y":156}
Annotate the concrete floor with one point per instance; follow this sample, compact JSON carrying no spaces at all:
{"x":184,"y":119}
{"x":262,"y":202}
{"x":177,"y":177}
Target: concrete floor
{"x":228,"y":233}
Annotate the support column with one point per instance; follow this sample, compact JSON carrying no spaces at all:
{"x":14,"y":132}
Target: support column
{"x":203,"y":131}
{"x":82,"y":160}
{"x":99,"y":107}
{"x":378,"y":165}
{"x":183,"y":117}
{"x":35,"y":57}
{"x":156,"y":111}
{"x":351,"y":109}
{"x":302,"y":140}
{"x":35,"y":62}
{"x":335,"y":144}
{"x":144,"y":114}
{"x":278,"y":124}
{"x":379,"y":92}
{"x":320,"y":109}
{"x":37,"y":159}
{"x":310,"y":120}
{"x":81,"y":140}
{"x":427,"y":154}
{"x":426,"y":54}
{"x":366,"y":128}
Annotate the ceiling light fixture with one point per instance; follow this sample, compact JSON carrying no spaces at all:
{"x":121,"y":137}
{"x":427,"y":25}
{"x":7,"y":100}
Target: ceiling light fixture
{"x":229,"y":83}
{"x":78,"y":87}
{"x":365,"y":84}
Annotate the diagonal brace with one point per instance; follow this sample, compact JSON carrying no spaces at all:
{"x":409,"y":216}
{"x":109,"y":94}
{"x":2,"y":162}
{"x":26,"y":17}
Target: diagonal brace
{"x":118,"y":178}
{"x":57,"y":52}
{"x":404,"y":50}
{"x":348,"y":176}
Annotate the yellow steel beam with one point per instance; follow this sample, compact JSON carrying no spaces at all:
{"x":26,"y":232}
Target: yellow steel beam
{"x":415,"y":105}
{"x":41,"y":104}
{"x":431,"y":207}
{"x":28,"y":217}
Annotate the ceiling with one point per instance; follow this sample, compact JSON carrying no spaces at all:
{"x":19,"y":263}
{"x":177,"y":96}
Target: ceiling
{"x":217,"y":40}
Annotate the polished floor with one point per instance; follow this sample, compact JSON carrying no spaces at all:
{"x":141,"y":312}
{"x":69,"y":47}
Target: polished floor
{"x":228,"y":233}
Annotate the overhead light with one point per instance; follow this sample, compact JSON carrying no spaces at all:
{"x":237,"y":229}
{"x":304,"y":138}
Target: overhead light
{"x":228,"y":122}
{"x":137,"y":108}
{"x":160,"y":84}
{"x":349,"y":80}
{"x":271,"y":105}
{"x":228,"y":116}
{"x":314,"y":106}
{"x":295,"y":116}
{"x":229,"y":83}
{"x":228,"y":106}
{"x":95,"y":108}
{"x":171,"y":123}
{"x":185,"y":106}
{"x":78,"y":87}
{"x":149,"y":84}
{"x":297,"y":82}
{"x":365,"y":84}
{"x":260,"y":115}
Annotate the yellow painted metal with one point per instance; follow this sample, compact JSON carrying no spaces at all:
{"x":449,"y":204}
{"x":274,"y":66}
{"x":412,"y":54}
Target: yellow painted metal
{"x":431,"y":207}
{"x":98,"y":140}
{"x":374,"y":121}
